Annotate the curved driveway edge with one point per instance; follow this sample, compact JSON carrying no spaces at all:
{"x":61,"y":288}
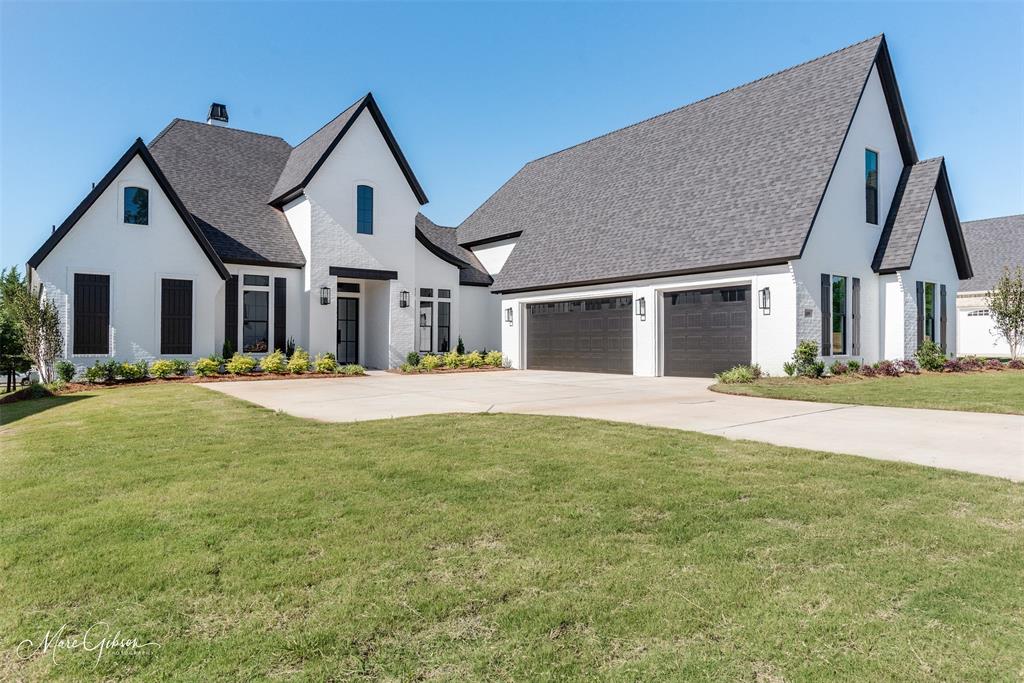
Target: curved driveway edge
{"x":983,"y":443}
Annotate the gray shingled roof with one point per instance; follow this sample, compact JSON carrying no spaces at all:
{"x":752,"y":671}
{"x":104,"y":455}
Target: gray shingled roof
{"x":471,"y":271}
{"x":733,"y":179}
{"x":224,"y":176}
{"x":305,"y":156}
{"x":993,"y":243}
{"x":903,"y":226}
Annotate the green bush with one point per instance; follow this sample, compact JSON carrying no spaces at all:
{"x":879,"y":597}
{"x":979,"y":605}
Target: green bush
{"x":409,"y":369}
{"x":460,"y":348}
{"x":494,"y":359}
{"x":274,"y":362}
{"x":101,"y":371}
{"x":838,"y":368}
{"x":353,"y":369}
{"x":741,"y":374}
{"x":430,"y":362}
{"x":473,"y":360}
{"x":65,"y":371}
{"x":805,"y":359}
{"x":206,"y":367}
{"x":452,"y":359}
{"x":133,"y":371}
{"x":325,"y":363}
{"x":930,"y":356}
{"x":412,"y":358}
{"x":181,"y":367}
{"x":789,"y":368}
{"x":227,"y":350}
{"x":161,"y":368}
{"x":853,"y":365}
{"x":240,"y":364}
{"x":299,"y":361}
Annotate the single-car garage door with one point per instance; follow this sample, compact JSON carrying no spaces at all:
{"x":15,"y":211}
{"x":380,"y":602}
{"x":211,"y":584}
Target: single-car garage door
{"x":706,"y":331}
{"x":588,"y":335}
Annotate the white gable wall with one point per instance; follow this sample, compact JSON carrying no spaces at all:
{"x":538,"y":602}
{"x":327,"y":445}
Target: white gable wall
{"x":136,"y":257}
{"x":494,"y":254}
{"x":842,"y":242}
{"x":434,"y":273}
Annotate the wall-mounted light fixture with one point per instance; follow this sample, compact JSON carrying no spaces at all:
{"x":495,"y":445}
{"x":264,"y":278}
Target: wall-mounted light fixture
{"x":764,"y":301}
{"x":641,"y":308}
{"x":325,"y":296}
{"x":508,"y":315}
{"x":403,"y":299}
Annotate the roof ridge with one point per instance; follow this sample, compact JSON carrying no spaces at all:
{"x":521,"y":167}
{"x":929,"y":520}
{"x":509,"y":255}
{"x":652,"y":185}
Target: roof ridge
{"x":710,"y":97}
{"x":164,"y":131}
{"x":996,"y":218}
{"x":226,"y":128}
{"x":332,"y":119}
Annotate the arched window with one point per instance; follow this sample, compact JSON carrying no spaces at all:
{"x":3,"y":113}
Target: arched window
{"x":364,"y":209}
{"x":136,"y":206}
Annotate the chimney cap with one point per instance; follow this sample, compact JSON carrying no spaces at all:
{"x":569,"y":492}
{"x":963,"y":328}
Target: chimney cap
{"x":218,"y":114}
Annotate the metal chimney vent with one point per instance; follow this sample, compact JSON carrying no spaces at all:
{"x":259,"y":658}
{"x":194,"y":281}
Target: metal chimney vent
{"x":218,"y":115}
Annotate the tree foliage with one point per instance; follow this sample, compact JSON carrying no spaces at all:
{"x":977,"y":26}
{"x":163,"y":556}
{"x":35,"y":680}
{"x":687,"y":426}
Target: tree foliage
{"x":1006,"y":306}
{"x":13,"y":359}
{"x":36,"y":319}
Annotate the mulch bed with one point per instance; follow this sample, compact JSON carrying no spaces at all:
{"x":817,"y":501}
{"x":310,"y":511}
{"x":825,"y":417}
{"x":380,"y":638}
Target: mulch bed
{"x":447,"y":371}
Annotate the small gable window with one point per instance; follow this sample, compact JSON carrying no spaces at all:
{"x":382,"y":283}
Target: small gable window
{"x":871,"y":185}
{"x":136,"y":206}
{"x":364,"y":209}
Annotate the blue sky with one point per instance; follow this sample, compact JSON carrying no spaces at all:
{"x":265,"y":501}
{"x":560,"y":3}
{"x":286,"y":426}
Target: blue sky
{"x":472,"y":91}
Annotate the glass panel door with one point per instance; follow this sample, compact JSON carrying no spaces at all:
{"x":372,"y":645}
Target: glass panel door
{"x":426,"y":326}
{"x":348,"y":330}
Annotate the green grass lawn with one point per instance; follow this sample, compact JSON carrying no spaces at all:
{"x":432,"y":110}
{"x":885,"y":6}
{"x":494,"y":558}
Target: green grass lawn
{"x":983,"y":392}
{"x":250,"y":544}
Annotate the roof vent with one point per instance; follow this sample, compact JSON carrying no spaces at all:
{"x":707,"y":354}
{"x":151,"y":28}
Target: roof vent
{"x":218,"y":115}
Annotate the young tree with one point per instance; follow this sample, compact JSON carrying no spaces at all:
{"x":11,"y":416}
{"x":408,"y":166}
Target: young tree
{"x":12,"y":343}
{"x":1006,"y":306}
{"x":37,"y":320}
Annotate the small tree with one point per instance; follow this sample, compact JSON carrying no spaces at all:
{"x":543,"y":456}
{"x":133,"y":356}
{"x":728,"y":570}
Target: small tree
{"x":12,"y":342}
{"x":39,"y":322}
{"x":1006,"y":306}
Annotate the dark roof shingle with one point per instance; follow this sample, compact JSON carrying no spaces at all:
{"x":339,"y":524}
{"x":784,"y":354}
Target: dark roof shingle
{"x":697,"y":188}
{"x":444,"y":239}
{"x":905,"y":221}
{"x":993,"y":243}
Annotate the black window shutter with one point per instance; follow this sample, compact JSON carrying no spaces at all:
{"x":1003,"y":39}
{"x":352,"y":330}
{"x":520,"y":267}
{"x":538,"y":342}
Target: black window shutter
{"x":920,"y":313}
{"x":942,"y":316}
{"x":92,"y":314}
{"x":176,"y":317}
{"x":280,"y":312}
{"x":826,"y":314}
{"x":855,"y":313}
{"x":231,"y":312}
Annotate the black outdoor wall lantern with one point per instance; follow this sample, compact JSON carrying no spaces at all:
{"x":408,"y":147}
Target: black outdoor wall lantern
{"x":641,"y":308}
{"x":403,"y":299}
{"x":764,"y":301}
{"x":325,"y":296}
{"x":508,"y":315}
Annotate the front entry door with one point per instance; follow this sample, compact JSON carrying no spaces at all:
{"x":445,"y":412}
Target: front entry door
{"x":348,"y":330}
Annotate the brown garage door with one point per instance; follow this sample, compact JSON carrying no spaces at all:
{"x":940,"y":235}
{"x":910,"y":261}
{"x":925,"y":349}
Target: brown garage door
{"x":706,"y":331}
{"x":588,"y":335}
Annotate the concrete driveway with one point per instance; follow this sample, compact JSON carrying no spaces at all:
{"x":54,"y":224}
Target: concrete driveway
{"x":972,"y":442}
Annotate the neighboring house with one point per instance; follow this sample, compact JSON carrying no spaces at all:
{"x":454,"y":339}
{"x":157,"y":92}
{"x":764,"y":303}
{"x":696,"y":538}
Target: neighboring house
{"x":994,"y":244}
{"x":724,"y":232}
{"x":791,"y":208}
{"x":212,"y":235}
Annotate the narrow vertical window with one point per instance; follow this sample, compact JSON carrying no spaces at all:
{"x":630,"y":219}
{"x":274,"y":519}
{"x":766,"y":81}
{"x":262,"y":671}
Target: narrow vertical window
{"x":929,"y":311}
{"x":136,"y":206}
{"x":444,"y":326}
{"x":364,"y":209}
{"x":426,"y":326}
{"x":255,"y":316}
{"x":871,"y":185}
{"x":838,"y":315}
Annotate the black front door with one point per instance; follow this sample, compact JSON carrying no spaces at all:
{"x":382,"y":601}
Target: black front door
{"x":348,"y":330}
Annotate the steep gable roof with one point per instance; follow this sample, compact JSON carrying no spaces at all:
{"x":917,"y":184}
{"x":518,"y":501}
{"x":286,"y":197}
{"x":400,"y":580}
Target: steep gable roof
{"x":731,"y":181}
{"x":224,"y":176}
{"x":905,"y":222}
{"x":443,"y":243}
{"x":993,"y":243}
{"x":138,"y":148}
{"x":307,"y":157}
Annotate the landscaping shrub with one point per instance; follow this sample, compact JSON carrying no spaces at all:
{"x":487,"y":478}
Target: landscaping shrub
{"x":133,"y":371}
{"x":102,"y":371}
{"x":909,"y":366}
{"x":181,"y":367}
{"x":953,"y":365}
{"x":353,"y":369}
{"x":1016,"y":364}
{"x":971,"y":363}
{"x":853,"y":365}
{"x":240,"y":364}
{"x":868,"y":370}
{"x":494,"y":359}
{"x":409,"y":369}
{"x":930,"y":356}
{"x":473,"y":360}
{"x":805,"y":360}
{"x":889,"y":368}
{"x":65,"y":371}
{"x":274,"y":362}
{"x":299,"y":361}
{"x":993,"y":364}
{"x":740,"y":374}
{"x":206,"y":367}
{"x":460,"y":348}
{"x":325,"y":363}
{"x":228,"y":349}
{"x":838,"y":368}
{"x":412,"y":358}
{"x":452,"y":359}
{"x":289,"y":347}
{"x":430,"y":362}
{"x":789,"y":368}
{"x":161,"y":368}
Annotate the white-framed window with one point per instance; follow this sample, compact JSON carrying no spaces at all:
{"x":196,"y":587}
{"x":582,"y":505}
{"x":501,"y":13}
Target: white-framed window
{"x":981,"y":313}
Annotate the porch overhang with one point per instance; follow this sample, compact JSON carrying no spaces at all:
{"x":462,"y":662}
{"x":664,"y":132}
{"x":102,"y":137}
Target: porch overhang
{"x":364,"y":273}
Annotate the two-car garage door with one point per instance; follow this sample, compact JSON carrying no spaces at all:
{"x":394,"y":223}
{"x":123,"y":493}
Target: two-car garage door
{"x":705,"y":331}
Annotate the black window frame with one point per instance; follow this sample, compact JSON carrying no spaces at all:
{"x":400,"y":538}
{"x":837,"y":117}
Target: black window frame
{"x":246,"y":346}
{"x":444,"y":294}
{"x":255,"y":280}
{"x":444,"y":322}
{"x":426,"y":305}
{"x":348,"y":287}
{"x":364,"y":209}
{"x":90,"y":318}
{"x":427,"y":292}
{"x":929,"y":316}
{"x":871,"y":186}
{"x":140,"y":217}
{"x":839,"y":315}
{"x":176,"y":326}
